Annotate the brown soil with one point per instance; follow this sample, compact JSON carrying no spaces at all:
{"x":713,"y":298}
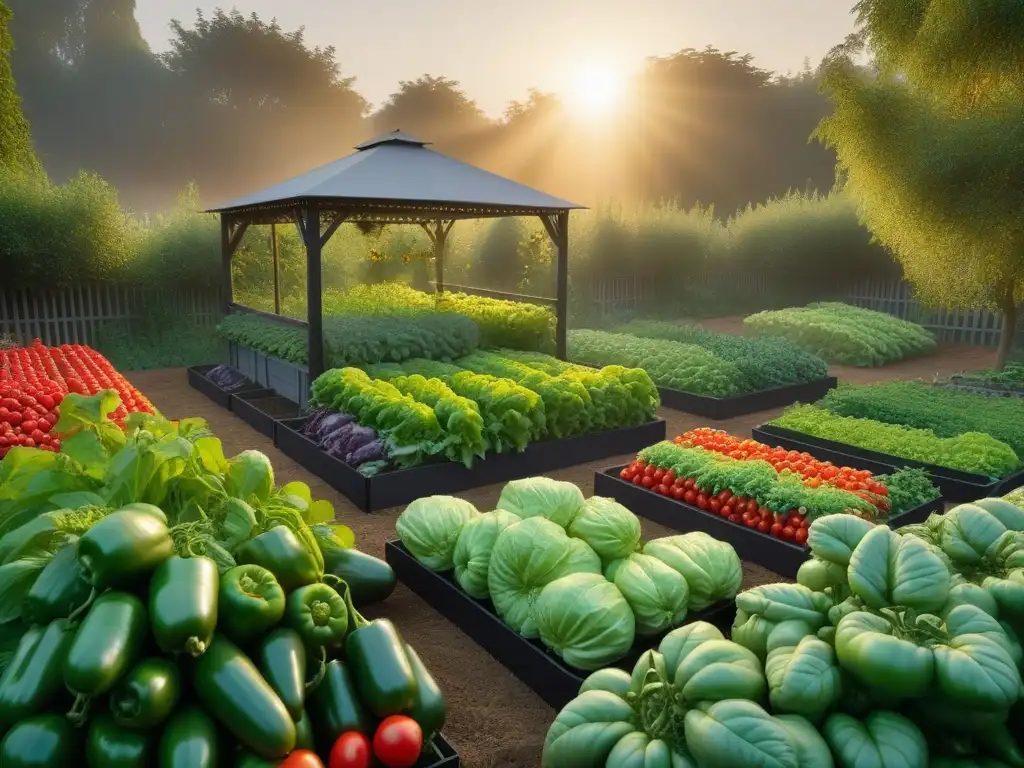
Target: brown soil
{"x":493,"y":719}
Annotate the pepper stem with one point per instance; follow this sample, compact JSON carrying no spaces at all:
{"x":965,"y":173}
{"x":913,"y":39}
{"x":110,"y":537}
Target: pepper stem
{"x":83,"y":608}
{"x":195,"y":647}
{"x":356,"y":619}
{"x":320,"y":613}
{"x":79,"y":711}
{"x":318,"y":678}
{"x":248,"y":585}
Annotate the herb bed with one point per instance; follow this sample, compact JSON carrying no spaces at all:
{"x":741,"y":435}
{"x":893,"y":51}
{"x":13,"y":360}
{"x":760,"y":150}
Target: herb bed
{"x":778,"y":555}
{"x":402,"y":486}
{"x":261,"y":409}
{"x":719,"y":408}
{"x":222,"y":397}
{"x":548,"y":675}
{"x":955,"y":485}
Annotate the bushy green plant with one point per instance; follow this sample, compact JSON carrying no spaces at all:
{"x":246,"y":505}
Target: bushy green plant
{"x":845,"y":334}
{"x":504,"y":323}
{"x":181,"y":248}
{"x":946,"y":412}
{"x":764,"y":363}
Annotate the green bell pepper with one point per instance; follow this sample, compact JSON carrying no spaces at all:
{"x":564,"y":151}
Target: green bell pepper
{"x":249,"y":603}
{"x":803,"y":677}
{"x":811,"y":748}
{"x":249,"y":760}
{"x":731,"y":733}
{"x":233,"y":691}
{"x":40,"y":741}
{"x":966,"y":593}
{"x":334,"y":707}
{"x":34,"y":677}
{"x":760,"y":609}
{"x":678,"y":643}
{"x":304,"y":737}
{"x":611,"y":679}
{"x":370,"y":578}
{"x":429,"y":708}
{"x":818,"y":575}
{"x":147,"y":695}
{"x":968,"y":532}
{"x":882,"y":738}
{"x":281,"y":659}
{"x":109,"y":744}
{"x":833,"y":538}
{"x":586,"y":730}
{"x":381,"y":668}
{"x":887,"y":569}
{"x":638,"y":750}
{"x":183,"y":604}
{"x":108,"y":642}
{"x":717,"y":670}
{"x":189,"y":740}
{"x":319,"y":614}
{"x":123,"y":548}
{"x":875,"y":651}
{"x":59,"y":590}
{"x":1008,"y":591}
{"x":280,"y":552}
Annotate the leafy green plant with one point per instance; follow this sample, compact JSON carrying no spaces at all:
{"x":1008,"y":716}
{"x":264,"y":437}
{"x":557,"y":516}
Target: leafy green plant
{"x":504,"y":323}
{"x":946,"y":412}
{"x":764,"y":363}
{"x":968,"y":452}
{"x":686,"y":367}
{"x":844,"y":334}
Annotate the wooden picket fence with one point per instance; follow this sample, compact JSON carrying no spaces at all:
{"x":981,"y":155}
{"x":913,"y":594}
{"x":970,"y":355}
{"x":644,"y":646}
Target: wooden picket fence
{"x":78,"y":315}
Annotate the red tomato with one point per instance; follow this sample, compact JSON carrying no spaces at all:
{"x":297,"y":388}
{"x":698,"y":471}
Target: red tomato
{"x":751,"y":522}
{"x":626,"y":474}
{"x":301,"y":758}
{"x":647,"y":481}
{"x":795,"y":520}
{"x":789,"y":532}
{"x":398,"y":742}
{"x":776,"y":529}
{"x":649,"y":471}
{"x":800,"y":536}
{"x":764,"y":526}
{"x":724,"y":497}
{"x":29,"y":425}
{"x":690,"y":497}
{"x":638,"y":479}
{"x":46,"y":401}
{"x":351,"y":750}
{"x":734,"y":518}
{"x":663,"y":489}
{"x":701,"y":500}
{"x":715,"y":505}
{"x":678,"y":493}
{"x":658,"y":475}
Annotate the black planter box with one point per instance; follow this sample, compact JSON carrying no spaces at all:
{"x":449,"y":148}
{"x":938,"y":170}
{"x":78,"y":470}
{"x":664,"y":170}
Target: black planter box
{"x":401,"y":486}
{"x":261,"y":408}
{"x":955,"y":485}
{"x":718,"y":408}
{"x":222,"y":397}
{"x":439,"y":754}
{"x":551,"y":678}
{"x":778,"y":555}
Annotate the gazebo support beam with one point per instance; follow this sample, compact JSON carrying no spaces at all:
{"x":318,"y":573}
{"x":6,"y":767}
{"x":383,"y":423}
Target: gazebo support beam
{"x":232,"y":230}
{"x":557,"y":226}
{"x":277,"y":280}
{"x":439,"y":237}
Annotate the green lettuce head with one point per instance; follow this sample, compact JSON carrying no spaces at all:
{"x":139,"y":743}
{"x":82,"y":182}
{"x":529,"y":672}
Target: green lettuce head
{"x":585,"y":619}
{"x":473,"y":550}
{"x":556,"y":500}
{"x":712,"y":568}
{"x":609,"y":528}
{"x":658,"y":595}
{"x":430,"y":528}
{"x":526,"y":558}
{"x":250,"y":474}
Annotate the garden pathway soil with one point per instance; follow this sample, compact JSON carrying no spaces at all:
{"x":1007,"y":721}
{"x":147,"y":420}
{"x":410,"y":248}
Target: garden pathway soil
{"x":493,"y":719}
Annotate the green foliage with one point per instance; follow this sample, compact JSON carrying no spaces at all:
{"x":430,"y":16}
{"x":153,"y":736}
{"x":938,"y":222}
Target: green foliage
{"x":1011,"y":377}
{"x":181,"y":248}
{"x":686,"y":367}
{"x":458,"y":416}
{"x":946,"y":412}
{"x":358,"y":339}
{"x":17,"y":157}
{"x":844,"y":334}
{"x":968,"y":452}
{"x":504,"y":323}
{"x":763,"y":363}
{"x":180,"y":346}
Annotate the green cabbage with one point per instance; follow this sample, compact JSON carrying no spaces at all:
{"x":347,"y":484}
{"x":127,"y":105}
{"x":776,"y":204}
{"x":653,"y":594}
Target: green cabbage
{"x":430,"y":528}
{"x":250,"y":474}
{"x":657,"y":594}
{"x":609,"y":528}
{"x":712,"y":568}
{"x":473,"y":550}
{"x":585,"y":620}
{"x":556,"y":500}
{"x":526,"y":558}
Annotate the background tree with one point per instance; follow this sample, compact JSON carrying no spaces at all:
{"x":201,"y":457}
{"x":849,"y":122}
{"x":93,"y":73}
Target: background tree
{"x":433,"y":108}
{"x":16,"y":153}
{"x":933,"y":146}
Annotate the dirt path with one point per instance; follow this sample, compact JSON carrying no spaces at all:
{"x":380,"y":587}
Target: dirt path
{"x":493,"y":719}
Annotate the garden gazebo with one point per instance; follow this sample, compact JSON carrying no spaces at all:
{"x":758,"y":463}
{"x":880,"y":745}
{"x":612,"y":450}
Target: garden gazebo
{"x":392,"y":179}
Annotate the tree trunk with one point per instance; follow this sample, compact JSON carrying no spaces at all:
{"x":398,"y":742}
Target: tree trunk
{"x":1008,"y":335}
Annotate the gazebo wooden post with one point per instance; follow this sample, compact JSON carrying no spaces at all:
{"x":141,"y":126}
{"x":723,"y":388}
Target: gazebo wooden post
{"x":314,"y":288}
{"x":232,"y":229}
{"x":277,"y":285}
{"x":562,"y":281}
{"x":439,"y":238}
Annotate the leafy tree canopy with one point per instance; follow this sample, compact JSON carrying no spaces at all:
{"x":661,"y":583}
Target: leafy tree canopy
{"x":16,"y":153}
{"x":932,"y":144}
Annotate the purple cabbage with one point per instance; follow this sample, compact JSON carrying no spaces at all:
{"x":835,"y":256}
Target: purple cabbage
{"x":226,"y":377}
{"x":371,"y":451}
{"x":340,"y":436}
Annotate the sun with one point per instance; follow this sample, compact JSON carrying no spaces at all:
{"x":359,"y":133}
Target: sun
{"x":597,"y":89}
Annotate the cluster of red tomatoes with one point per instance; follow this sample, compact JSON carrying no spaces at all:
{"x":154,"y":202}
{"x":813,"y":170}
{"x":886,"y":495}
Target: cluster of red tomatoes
{"x":34,"y":380}
{"x":789,"y":525}
{"x":815,"y":473}
{"x":397,"y":743}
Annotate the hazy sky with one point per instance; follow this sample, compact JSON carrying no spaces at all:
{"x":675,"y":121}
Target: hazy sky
{"x":497,"y":50}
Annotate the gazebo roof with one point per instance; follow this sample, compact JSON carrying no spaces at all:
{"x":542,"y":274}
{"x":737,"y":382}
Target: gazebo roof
{"x":398,"y":172}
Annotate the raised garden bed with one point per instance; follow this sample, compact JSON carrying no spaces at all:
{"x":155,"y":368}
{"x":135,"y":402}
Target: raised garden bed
{"x":261,"y":409}
{"x":778,"y":555}
{"x":287,"y":379}
{"x":955,"y":485}
{"x":547,"y":674}
{"x":222,"y":397}
{"x":401,"y":486}
{"x":719,"y":408}
{"x":439,"y":754}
